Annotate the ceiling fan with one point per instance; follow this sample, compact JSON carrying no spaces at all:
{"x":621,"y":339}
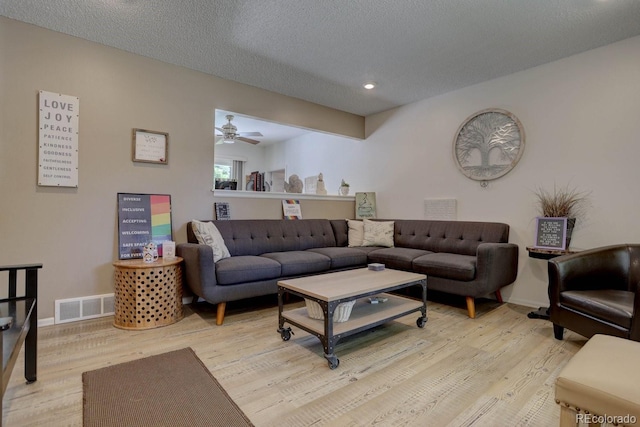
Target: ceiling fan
{"x":230,"y":134}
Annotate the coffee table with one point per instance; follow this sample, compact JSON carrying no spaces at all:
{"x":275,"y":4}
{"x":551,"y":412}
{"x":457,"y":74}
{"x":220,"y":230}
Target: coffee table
{"x":331,"y":289}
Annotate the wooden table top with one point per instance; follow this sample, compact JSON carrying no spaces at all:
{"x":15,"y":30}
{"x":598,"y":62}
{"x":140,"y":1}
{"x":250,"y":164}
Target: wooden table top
{"x":139,"y":263}
{"x":350,"y":283}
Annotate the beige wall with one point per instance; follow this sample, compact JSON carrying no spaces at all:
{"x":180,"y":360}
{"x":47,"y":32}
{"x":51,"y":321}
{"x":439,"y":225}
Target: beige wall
{"x":268,"y":208}
{"x":73,"y":232}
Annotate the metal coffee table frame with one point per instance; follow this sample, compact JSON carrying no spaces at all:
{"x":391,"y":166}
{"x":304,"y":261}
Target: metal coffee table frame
{"x":327,"y":337}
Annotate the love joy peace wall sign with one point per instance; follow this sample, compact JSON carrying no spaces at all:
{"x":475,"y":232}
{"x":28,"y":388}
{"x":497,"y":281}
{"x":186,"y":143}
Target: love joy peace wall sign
{"x":58,"y":140}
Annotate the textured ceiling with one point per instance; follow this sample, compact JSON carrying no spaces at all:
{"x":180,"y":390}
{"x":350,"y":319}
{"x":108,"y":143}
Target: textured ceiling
{"x":323,"y":50}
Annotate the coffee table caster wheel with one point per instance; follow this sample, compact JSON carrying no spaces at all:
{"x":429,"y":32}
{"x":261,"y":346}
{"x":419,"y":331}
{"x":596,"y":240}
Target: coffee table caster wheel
{"x":333,"y":361}
{"x":285,"y":333}
{"x":421,"y":321}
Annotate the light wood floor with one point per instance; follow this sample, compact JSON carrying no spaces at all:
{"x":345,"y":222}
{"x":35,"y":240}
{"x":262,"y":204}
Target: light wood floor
{"x":496,"y":370}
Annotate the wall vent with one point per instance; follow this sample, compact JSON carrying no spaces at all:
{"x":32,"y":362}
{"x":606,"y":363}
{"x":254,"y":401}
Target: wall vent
{"x":74,"y":309}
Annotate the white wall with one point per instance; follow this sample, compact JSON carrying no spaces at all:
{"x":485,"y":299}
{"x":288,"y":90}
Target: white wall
{"x":335,"y":157}
{"x":581,"y":117}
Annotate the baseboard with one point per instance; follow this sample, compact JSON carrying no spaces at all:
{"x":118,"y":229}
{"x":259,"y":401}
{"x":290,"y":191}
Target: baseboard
{"x":46,"y":322}
{"x":51,"y":320}
{"x":527,"y":303}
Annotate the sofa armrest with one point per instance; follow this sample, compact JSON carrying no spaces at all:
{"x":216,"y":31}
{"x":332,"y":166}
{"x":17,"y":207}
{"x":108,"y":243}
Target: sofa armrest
{"x":199,"y":268}
{"x":497,"y":264}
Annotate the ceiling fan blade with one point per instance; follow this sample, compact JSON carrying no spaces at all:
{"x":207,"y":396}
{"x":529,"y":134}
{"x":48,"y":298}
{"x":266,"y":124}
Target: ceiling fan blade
{"x":250,"y":141}
{"x":220,"y":129}
{"x":249,"y":134}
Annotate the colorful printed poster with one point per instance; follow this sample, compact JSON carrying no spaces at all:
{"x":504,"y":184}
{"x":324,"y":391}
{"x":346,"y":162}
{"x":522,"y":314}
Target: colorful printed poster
{"x":291,"y":209}
{"x":143,"y":218}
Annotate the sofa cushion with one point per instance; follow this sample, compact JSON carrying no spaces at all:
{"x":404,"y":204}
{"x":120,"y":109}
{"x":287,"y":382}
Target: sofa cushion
{"x":207,"y":234}
{"x":246,"y":268}
{"x":378,"y":233}
{"x":356,"y":232}
{"x":343,"y":257}
{"x":612,"y":305}
{"x":294,"y":263}
{"x":400,"y":258}
{"x":451,"y":266}
{"x":456,"y":237}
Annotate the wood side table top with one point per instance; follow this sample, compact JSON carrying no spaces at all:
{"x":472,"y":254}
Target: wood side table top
{"x":139,"y":263}
{"x":541,"y":253}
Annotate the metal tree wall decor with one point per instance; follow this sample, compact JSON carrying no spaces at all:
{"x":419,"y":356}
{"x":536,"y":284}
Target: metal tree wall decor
{"x":488,"y":145}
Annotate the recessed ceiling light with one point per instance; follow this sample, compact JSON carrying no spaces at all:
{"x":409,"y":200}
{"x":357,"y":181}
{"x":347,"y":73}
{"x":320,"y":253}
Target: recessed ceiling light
{"x":369,"y":85}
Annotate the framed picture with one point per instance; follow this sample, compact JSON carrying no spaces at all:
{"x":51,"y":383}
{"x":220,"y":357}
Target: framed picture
{"x":365,"y":205}
{"x":488,"y":144}
{"x":150,"y":146}
{"x":551,"y":233}
{"x":143,"y":218}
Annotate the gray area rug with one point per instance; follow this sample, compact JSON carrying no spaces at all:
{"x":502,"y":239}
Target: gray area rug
{"x":170,"y":389}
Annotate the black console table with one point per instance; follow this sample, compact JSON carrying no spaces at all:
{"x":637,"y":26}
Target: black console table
{"x":19,"y":324}
{"x":543,"y":312}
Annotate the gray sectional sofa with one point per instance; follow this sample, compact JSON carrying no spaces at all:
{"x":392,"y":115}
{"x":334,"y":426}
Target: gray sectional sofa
{"x":471,"y":259}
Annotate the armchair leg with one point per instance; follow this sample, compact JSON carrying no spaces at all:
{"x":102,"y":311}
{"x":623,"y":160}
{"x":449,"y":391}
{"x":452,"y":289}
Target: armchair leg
{"x":220,"y":313}
{"x":499,"y":296}
{"x":471,"y":307}
{"x":558,"y":331}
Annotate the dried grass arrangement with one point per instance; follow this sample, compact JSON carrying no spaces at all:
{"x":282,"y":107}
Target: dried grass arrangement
{"x":563,"y":202}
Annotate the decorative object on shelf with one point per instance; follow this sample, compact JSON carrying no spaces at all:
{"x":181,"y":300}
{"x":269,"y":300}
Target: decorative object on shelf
{"x":320,"y":187}
{"x":150,"y":252}
{"x":344,"y":188}
{"x":294,"y":185}
{"x":168,"y":250}
{"x":488,"y":145}
{"x":58,"y":140}
{"x":222,"y":210}
{"x":559,"y":212}
{"x":311,"y":184}
{"x":150,"y":146}
{"x":291,"y":209}
{"x":226,"y":184}
{"x":365,"y":205}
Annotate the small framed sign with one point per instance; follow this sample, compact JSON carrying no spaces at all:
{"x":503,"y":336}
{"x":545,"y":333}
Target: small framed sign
{"x":150,"y":146}
{"x":551,"y":233}
{"x":291,"y":209}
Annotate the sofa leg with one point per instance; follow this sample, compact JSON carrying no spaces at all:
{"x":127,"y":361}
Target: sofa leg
{"x":220,"y":313}
{"x":471,"y":307}
{"x":499,"y":296}
{"x":558,"y":331}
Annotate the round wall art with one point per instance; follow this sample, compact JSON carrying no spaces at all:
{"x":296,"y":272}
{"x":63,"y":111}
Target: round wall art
{"x":488,"y":144}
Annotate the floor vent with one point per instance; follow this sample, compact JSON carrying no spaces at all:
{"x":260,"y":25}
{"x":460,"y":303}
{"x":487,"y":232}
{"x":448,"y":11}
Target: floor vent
{"x":74,"y":309}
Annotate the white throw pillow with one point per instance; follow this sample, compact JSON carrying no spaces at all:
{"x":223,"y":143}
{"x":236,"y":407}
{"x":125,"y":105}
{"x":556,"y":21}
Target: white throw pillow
{"x":378,"y":233}
{"x":356,"y":232}
{"x":207,"y":234}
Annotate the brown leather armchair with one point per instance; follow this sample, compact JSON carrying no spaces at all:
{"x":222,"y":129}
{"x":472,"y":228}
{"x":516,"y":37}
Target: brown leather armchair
{"x":596,"y":291}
